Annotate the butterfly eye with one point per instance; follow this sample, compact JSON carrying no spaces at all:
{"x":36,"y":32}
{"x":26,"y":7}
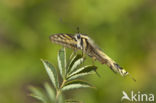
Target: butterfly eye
{"x":78,"y":36}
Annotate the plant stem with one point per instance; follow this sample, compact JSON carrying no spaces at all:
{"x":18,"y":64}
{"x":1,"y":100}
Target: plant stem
{"x":58,"y":91}
{"x":64,"y":81}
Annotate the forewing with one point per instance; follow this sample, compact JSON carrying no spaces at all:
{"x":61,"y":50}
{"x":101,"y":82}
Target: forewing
{"x":66,"y":40}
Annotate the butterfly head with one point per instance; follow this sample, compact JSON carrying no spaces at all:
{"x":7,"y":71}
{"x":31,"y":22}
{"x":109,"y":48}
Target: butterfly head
{"x":78,"y":38}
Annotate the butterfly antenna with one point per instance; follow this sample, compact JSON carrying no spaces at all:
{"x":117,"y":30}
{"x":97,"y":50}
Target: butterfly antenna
{"x":69,"y":25}
{"x":78,"y":29}
{"x":132,"y":77}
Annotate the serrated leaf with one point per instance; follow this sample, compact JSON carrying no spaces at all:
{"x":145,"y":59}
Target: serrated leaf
{"x":73,"y":60}
{"x":38,"y":94}
{"x":51,"y":73}
{"x":50,"y":92}
{"x":74,"y":84}
{"x":86,"y":70}
{"x":62,"y":61}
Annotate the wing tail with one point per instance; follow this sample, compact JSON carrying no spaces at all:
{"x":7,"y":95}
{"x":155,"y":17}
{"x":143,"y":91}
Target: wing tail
{"x":112,"y":64}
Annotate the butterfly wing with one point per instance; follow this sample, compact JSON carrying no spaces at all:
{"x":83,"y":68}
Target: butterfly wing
{"x":95,"y":52}
{"x":66,"y":40}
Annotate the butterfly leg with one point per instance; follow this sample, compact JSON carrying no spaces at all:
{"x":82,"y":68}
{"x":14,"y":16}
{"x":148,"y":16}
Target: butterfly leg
{"x":83,"y":54}
{"x":93,"y":60}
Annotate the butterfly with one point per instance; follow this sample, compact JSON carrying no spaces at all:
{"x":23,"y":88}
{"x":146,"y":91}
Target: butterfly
{"x":87,"y":45}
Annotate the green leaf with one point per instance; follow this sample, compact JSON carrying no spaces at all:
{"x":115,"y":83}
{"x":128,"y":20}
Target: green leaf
{"x":74,"y":84}
{"x":62,"y":61}
{"x":73,"y":60}
{"x":38,"y":94}
{"x":76,"y":64}
{"x":79,"y":75}
{"x":51,"y":73}
{"x":50,"y":92}
{"x":86,"y":70}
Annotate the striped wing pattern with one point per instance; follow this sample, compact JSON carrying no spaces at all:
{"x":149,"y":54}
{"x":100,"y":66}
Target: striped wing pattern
{"x":66,"y":40}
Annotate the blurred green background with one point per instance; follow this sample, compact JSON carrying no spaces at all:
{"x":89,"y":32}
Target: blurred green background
{"x":124,"y":29}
